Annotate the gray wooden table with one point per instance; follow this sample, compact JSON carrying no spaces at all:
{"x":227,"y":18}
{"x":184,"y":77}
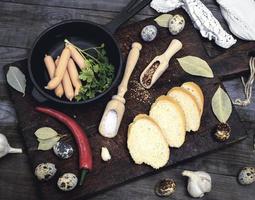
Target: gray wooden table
{"x":20,"y":23}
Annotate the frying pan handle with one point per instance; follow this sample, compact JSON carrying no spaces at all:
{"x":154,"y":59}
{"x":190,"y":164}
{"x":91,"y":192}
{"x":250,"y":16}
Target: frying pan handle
{"x":37,"y":96}
{"x":133,"y":7}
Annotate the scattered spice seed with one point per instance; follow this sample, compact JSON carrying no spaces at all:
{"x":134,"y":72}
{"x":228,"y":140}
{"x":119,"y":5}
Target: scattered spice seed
{"x":139,"y":93}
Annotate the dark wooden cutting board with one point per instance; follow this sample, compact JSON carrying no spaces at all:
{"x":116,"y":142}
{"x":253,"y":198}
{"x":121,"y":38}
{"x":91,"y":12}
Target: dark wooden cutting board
{"x":121,"y":168}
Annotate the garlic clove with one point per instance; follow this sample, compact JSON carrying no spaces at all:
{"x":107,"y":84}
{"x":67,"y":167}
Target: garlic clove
{"x":105,"y":154}
{"x":194,"y":190}
{"x":199,"y":183}
{"x":5,"y":148}
{"x":15,"y":150}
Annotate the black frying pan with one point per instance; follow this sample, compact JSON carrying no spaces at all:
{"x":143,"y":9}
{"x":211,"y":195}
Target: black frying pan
{"x":83,"y":34}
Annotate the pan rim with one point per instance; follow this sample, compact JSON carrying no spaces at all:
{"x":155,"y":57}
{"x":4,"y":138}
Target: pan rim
{"x":96,"y":98}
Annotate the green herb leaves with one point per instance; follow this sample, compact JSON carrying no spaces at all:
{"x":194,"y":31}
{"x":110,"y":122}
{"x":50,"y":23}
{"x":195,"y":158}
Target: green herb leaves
{"x":221,"y":105}
{"x":47,"y":138}
{"x":98,"y":76}
{"x":195,"y":66}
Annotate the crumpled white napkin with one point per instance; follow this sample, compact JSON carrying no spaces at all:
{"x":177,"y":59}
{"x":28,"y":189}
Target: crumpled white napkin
{"x":201,"y":17}
{"x":240,"y":16}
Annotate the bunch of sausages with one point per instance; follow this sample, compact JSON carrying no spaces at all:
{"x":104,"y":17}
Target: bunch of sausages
{"x":64,"y":76}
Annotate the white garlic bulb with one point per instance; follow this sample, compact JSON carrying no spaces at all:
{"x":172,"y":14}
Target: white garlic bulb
{"x":105,"y":154}
{"x":199,"y":183}
{"x":5,"y":148}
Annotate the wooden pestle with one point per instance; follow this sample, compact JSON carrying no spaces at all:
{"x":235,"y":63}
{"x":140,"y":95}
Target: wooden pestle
{"x":160,"y":63}
{"x":117,"y":104}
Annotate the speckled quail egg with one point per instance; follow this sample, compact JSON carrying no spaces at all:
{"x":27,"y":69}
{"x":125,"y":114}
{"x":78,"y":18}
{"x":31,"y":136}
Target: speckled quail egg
{"x":67,"y":182}
{"x":176,"y":24}
{"x":165,"y":187}
{"x":45,"y":171}
{"x":222,"y":132}
{"x":246,"y":176}
{"x":63,"y":150}
{"x":149,"y":33}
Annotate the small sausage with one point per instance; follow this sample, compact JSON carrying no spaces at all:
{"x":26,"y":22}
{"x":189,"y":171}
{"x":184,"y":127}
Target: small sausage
{"x":74,"y":75}
{"x":59,"y":91}
{"x":60,"y":71}
{"x":78,"y":59}
{"x":67,"y":85}
{"x":51,"y":67}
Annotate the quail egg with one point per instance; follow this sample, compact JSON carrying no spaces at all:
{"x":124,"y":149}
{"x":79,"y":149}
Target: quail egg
{"x":67,"y":182}
{"x":45,"y":171}
{"x":222,"y":132}
{"x":246,"y":176}
{"x":63,"y":150}
{"x":176,"y":24}
{"x":149,"y":33}
{"x":165,"y":187}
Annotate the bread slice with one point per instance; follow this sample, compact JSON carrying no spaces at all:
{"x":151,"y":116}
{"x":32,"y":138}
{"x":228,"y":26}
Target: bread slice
{"x":171,"y":119}
{"x":188,"y":105}
{"x":196,"y":91}
{"x":146,"y":143}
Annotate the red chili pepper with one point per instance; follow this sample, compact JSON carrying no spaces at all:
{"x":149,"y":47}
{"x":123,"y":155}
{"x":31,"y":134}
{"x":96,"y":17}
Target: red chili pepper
{"x":85,"y":155}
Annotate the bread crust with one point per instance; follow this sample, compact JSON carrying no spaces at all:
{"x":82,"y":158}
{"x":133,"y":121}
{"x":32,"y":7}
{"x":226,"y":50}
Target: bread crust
{"x":180,"y":111}
{"x":182,"y":90}
{"x":199,"y":91}
{"x":163,"y":140}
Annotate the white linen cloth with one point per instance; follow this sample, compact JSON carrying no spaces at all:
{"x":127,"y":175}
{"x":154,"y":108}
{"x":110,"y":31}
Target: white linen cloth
{"x":202,"y":19}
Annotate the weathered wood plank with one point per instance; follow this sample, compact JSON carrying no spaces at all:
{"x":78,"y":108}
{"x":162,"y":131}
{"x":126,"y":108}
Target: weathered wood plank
{"x":16,"y":182}
{"x":19,"y":184}
{"x":229,"y":160}
{"x":20,"y":24}
{"x":236,"y":90}
{"x":16,"y":179}
{"x":99,"y":5}
{"x":140,"y":189}
{"x":7,"y":114}
{"x":226,"y":161}
{"x":224,"y":187}
{"x":9,"y":55}
{"x":224,"y":158}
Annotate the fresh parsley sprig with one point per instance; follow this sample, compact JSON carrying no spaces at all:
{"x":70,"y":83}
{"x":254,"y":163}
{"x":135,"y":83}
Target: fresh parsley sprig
{"x":98,"y":75}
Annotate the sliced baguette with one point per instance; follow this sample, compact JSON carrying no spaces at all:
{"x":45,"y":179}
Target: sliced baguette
{"x":146,"y":143}
{"x":196,"y":91}
{"x":188,"y":105}
{"x":171,"y":119}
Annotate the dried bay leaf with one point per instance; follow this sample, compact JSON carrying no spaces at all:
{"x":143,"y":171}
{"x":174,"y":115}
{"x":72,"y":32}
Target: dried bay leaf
{"x":163,"y":20}
{"x":195,"y":66}
{"x":221,"y":105}
{"x":16,"y":79}
{"x":45,"y":133}
{"x":48,"y":144}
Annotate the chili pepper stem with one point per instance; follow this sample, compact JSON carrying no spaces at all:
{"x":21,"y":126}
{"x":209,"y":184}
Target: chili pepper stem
{"x":83,"y":175}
